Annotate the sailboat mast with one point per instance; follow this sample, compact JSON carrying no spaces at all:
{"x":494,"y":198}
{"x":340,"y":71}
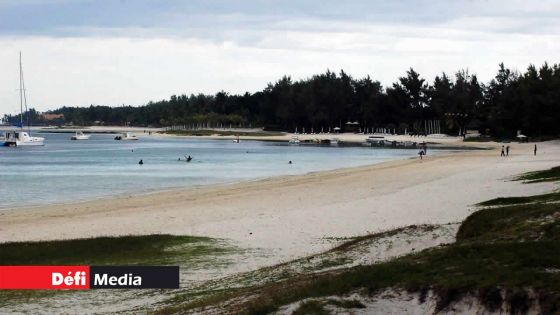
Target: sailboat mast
{"x":22,"y":80}
{"x":20,"y":94}
{"x":25,"y":100}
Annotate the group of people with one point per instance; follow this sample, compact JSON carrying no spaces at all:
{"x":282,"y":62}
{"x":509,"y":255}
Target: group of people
{"x":505,"y":150}
{"x":187,"y":159}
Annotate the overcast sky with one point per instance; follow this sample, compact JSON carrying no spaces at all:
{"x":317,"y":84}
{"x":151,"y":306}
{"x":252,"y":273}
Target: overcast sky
{"x":82,"y":52}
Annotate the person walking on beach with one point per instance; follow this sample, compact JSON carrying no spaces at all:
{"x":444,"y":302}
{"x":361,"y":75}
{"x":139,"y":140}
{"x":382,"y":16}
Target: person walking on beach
{"x":421,"y":153}
{"x":503,"y":153}
{"x":535,"y":150}
{"x":507,"y":150}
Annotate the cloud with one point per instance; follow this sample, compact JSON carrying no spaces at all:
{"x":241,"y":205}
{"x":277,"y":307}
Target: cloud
{"x":115,"y":52}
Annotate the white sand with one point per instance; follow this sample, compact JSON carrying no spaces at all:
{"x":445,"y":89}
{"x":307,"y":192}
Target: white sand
{"x":292,"y":214}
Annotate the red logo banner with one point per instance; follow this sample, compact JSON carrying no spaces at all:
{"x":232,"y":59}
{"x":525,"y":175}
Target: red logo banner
{"x":45,"y":277}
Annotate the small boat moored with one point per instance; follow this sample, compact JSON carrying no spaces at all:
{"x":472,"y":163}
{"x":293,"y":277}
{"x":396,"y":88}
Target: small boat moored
{"x":22,"y":138}
{"x":18,"y":138}
{"x":126,"y":136}
{"x":80,"y":136}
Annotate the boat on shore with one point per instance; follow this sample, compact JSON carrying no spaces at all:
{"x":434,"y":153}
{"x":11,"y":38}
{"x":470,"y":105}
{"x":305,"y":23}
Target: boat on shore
{"x":381,"y":141}
{"x":126,"y":136}
{"x":18,"y":138}
{"x":80,"y":136}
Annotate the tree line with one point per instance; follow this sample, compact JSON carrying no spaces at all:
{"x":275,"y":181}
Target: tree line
{"x":511,"y":101}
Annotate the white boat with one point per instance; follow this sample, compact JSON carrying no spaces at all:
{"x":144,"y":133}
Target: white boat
{"x":333,"y":141}
{"x":80,"y":136}
{"x":236,"y":140}
{"x":22,"y":138}
{"x":18,"y":138}
{"x":294,"y":140}
{"x":126,"y":136}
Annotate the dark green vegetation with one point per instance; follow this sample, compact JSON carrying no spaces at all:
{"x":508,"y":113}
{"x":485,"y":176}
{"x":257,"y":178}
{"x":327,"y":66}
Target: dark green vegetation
{"x":555,"y":196}
{"x":509,"y":248}
{"x":550,"y":175}
{"x":123,"y":250}
{"x":144,"y":249}
{"x":510,"y":101}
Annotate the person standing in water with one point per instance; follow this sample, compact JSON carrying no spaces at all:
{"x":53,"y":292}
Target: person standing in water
{"x":535,"y":150}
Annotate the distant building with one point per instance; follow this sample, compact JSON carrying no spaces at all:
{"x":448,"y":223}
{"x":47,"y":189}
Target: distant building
{"x":50,"y":117}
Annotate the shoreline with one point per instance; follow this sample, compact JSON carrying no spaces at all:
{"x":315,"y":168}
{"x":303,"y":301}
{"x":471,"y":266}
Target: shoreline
{"x":337,"y":203}
{"x":277,"y":222}
{"x":152,"y":191}
{"x":217,"y":186}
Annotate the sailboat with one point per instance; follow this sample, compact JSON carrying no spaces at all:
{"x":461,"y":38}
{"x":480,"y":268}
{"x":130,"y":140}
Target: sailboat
{"x":19,"y":137}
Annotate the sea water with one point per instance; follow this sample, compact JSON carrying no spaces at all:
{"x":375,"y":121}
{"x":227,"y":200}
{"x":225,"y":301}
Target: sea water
{"x":66,"y":171}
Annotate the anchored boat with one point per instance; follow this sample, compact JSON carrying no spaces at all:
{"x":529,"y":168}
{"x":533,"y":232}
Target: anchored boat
{"x":80,"y":136}
{"x":19,"y":137}
{"x":126,"y":136}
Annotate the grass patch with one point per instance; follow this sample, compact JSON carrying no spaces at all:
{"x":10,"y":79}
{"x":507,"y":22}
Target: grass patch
{"x":512,"y":223}
{"x":106,"y":250}
{"x":123,"y":250}
{"x":451,"y":271}
{"x":223,"y":133}
{"x":550,"y":175}
{"x":551,"y":197}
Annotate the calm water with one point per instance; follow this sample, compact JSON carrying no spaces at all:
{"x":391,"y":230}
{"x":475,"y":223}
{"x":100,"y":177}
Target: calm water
{"x":65,"y":170}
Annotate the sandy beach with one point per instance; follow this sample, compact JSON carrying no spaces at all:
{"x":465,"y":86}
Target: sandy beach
{"x":293,"y":215}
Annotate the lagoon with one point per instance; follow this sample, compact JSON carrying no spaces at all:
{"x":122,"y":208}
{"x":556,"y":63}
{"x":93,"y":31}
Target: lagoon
{"x":67,"y":171}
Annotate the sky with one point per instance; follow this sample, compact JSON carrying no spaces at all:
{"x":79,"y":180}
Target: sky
{"x":114,"y":52}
